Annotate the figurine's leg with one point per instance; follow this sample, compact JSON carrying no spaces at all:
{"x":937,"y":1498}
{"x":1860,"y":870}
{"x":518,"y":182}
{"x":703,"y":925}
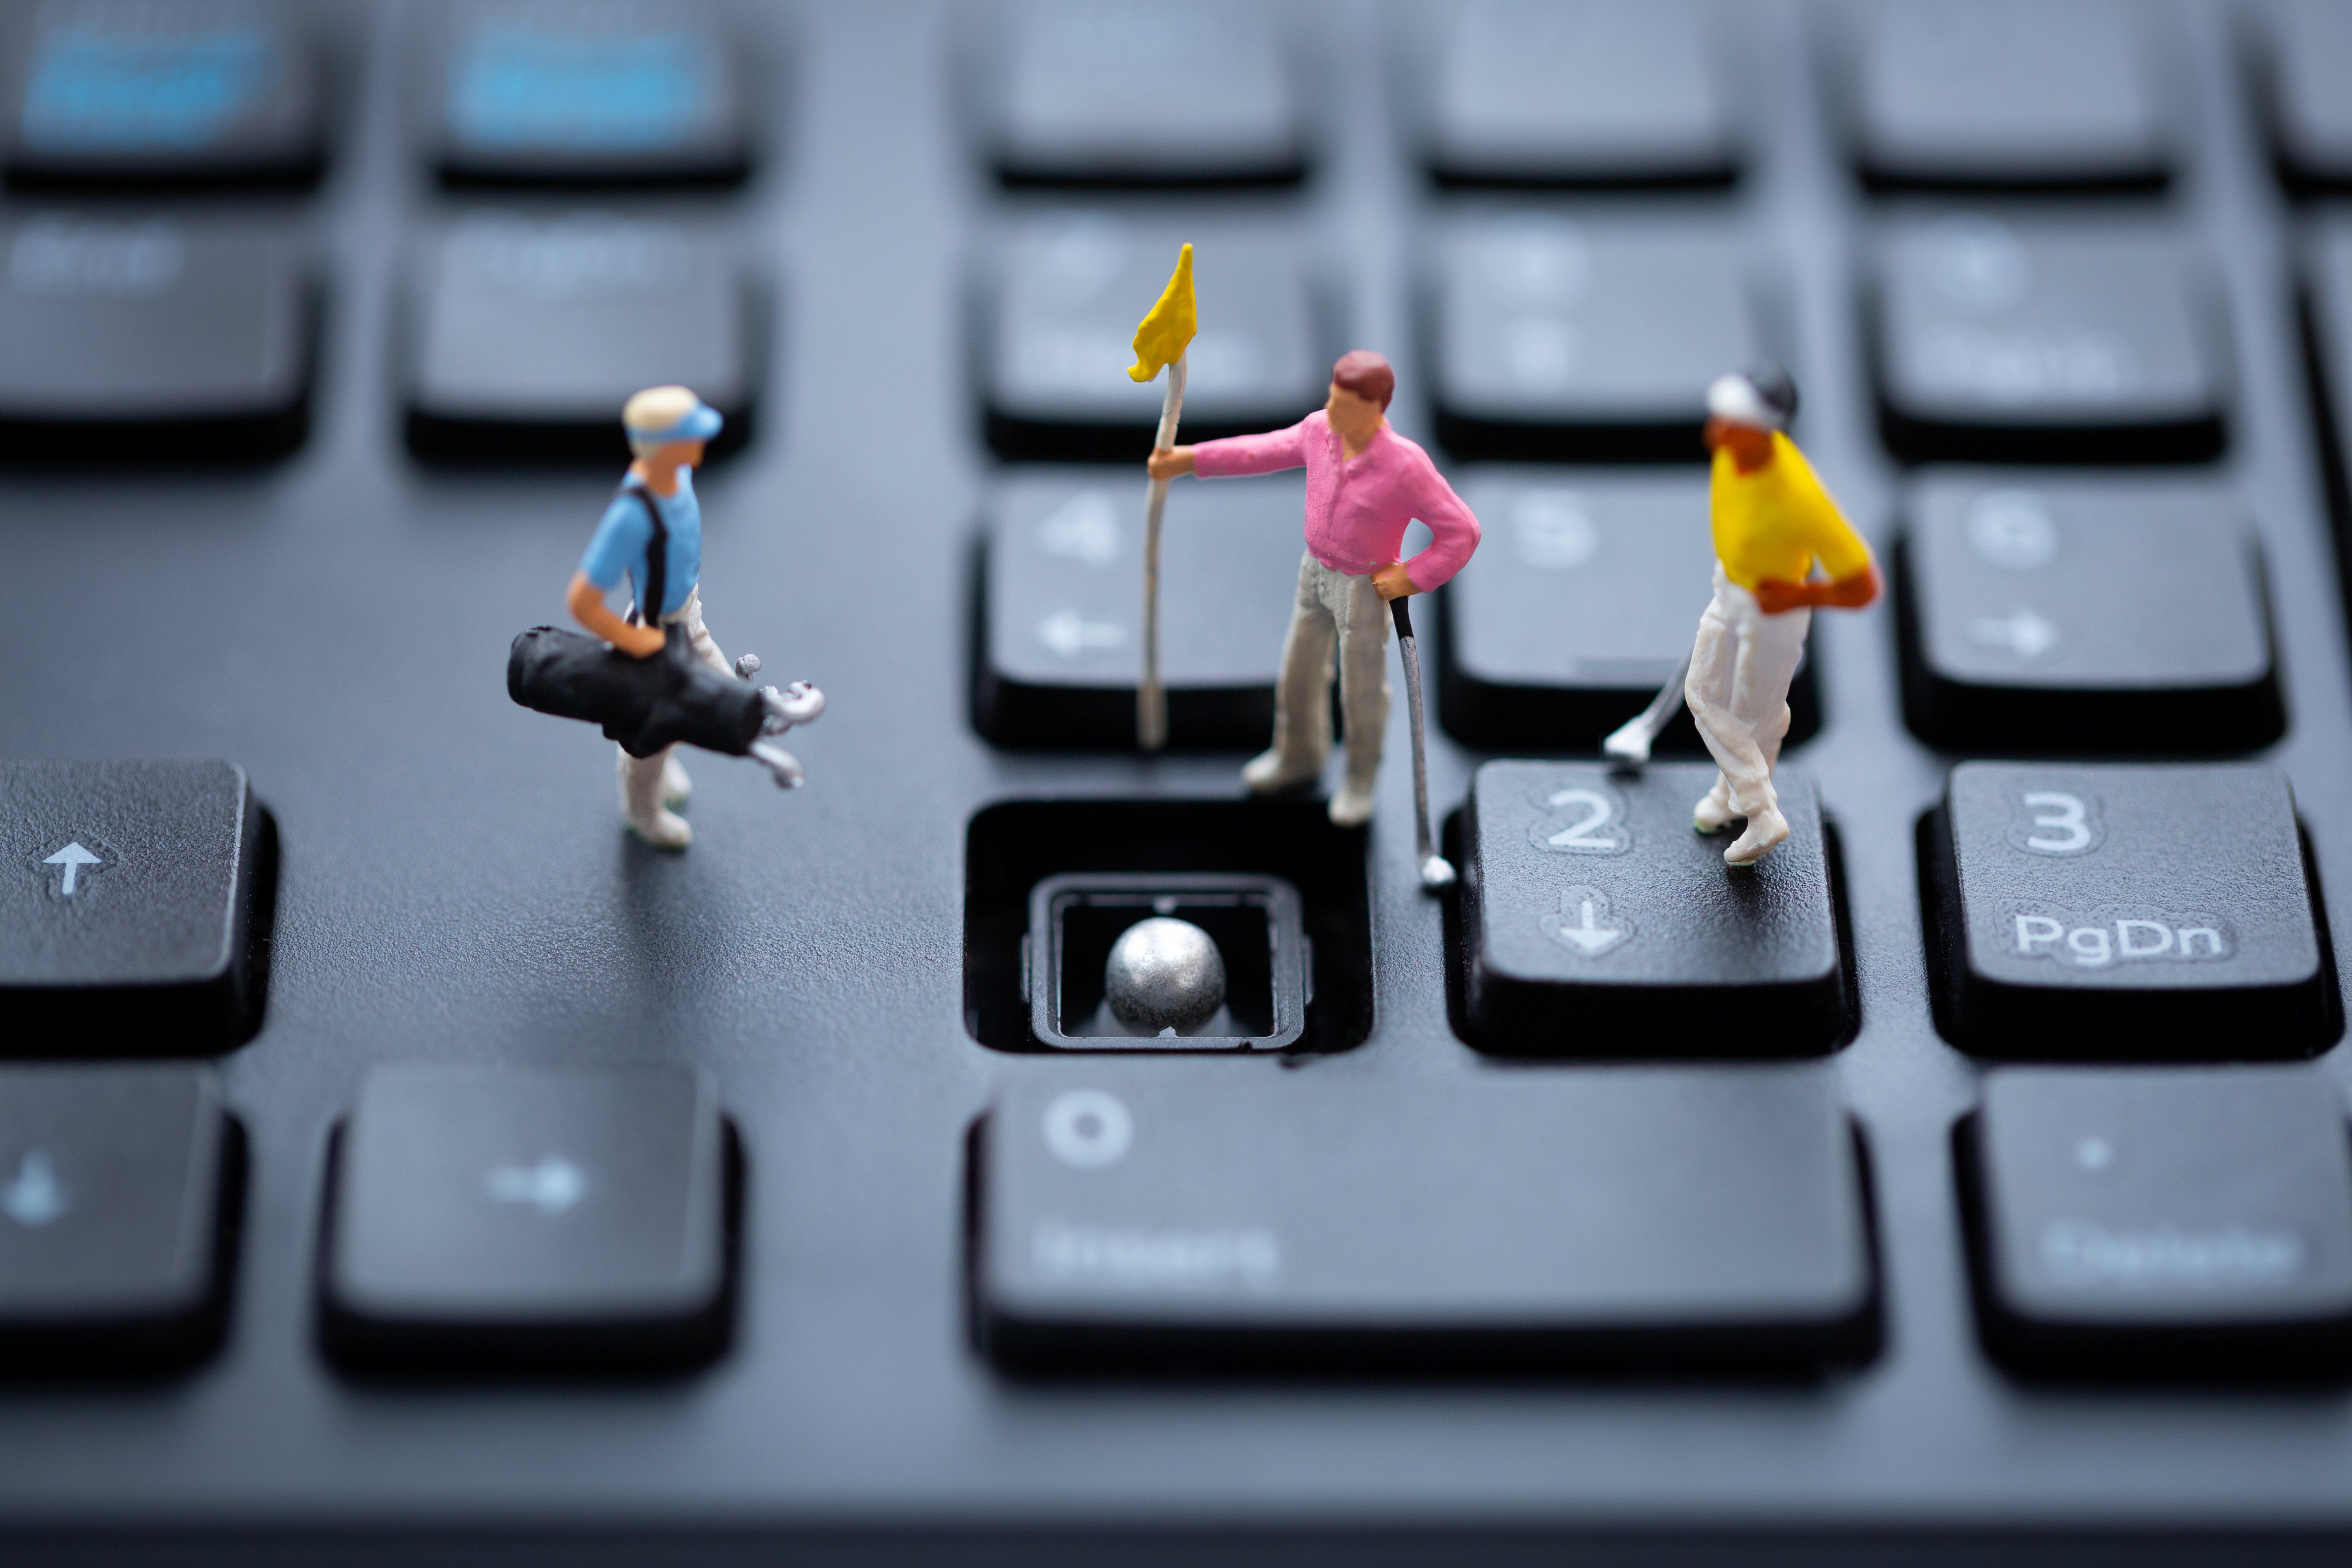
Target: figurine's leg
{"x":1769,"y":648}
{"x":1708,"y":690}
{"x":676,"y":787}
{"x":1302,"y":698}
{"x":641,"y":802}
{"x":1363,"y":621}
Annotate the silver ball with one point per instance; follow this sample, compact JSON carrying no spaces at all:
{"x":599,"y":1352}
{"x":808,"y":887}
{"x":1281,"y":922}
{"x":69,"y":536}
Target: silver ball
{"x":1164,"y":973}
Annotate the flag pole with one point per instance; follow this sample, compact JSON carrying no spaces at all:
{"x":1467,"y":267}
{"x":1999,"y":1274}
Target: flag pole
{"x":1150,"y":696}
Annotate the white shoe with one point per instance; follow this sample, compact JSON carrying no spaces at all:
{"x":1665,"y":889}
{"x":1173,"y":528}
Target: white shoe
{"x":1352,"y":807}
{"x":1265,"y":773}
{"x":1765,"y":829}
{"x":1713,"y":813}
{"x":663,"y":829}
{"x":677,"y":788}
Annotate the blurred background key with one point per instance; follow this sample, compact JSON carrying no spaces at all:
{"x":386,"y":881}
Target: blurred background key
{"x":131,"y":339}
{"x":1061,"y":320}
{"x":1182,"y":92}
{"x":1060,"y":644}
{"x":2002,"y":342}
{"x":1565,"y":341}
{"x":2003,"y":93}
{"x":2088,"y":616}
{"x":1589,"y":93}
{"x":585,"y":92}
{"x":1603,"y":576}
{"x":530,"y":332}
{"x":2304,"y":50}
{"x":160,"y":92}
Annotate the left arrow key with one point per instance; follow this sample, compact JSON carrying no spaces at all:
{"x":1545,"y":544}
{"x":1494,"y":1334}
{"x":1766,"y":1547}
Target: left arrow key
{"x":134,"y":922}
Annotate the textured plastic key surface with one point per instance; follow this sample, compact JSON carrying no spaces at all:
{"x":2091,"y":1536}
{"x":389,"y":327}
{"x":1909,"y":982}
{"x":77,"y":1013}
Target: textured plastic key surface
{"x":2022,"y":342}
{"x":1590,"y":92}
{"x":130,"y":336}
{"x":1253,"y":1215}
{"x":1596,"y":921}
{"x":1589,"y":592}
{"x":2303,"y":53}
{"x":128,"y":913}
{"x":1562,"y":340}
{"x":207,"y":92}
{"x":1059,"y":311}
{"x":2156,"y":1222}
{"x":844,"y":958}
{"x":1130,"y":92}
{"x":2126,"y":911}
{"x":1062,"y":607}
{"x":598,"y":92}
{"x":118,"y":1188}
{"x":2016,"y":93}
{"x":510,"y":1219}
{"x":527,"y":332}
{"x":2050,"y":613}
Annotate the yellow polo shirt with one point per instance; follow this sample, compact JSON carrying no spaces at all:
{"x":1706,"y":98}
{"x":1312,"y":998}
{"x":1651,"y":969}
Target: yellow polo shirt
{"x":1775,"y":521}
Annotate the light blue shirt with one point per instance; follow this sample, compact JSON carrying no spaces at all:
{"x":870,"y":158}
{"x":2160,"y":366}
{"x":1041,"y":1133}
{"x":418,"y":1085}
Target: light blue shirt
{"x":626,"y":531}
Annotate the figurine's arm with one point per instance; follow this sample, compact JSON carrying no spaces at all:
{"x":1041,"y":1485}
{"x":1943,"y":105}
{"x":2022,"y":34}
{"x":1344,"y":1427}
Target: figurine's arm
{"x":1849,"y":579}
{"x":1454,"y":534}
{"x":1270,"y":453}
{"x":586,"y":602}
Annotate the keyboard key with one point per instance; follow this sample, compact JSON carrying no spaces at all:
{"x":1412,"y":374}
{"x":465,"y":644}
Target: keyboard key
{"x":1601,"y":580}
{"x":1062,"y":321}
{"x":126,"y":340}
{"x":530,"y":333}
{"x":2161,"y":1223}
{"x":511,"y":1219}
{"x":2307,"y":57}
{"x":130,"y":911}
{"x":2014,"y":93}
{"x":1166,"y":1216}
{"x":189,"y":93}
{"x":1085,"y":94}
{"x":2084,"y":617}
{"x":585,"y":92}
{"x":2124,"y":912}
{"x":1063,"y":608}
{"x":2327,"y":324}
{"x":1597,"y":922}
{"x":120,"y":1188}
{"x":1589,"y":93}
{"x":1566,"y":341}
{"x":1998,"y":344}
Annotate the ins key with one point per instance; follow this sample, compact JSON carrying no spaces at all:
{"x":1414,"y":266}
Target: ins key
{"x":2124,"y":911}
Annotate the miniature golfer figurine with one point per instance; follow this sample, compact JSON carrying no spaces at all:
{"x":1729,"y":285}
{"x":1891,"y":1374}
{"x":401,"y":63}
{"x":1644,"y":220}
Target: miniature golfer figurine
{"x":1364,"y":484}
{"x":668,"y":428}
{"x":1773,"y":522}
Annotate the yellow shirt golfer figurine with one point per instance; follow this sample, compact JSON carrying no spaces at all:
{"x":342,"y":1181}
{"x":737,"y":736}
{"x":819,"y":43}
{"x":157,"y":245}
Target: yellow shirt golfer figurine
{"x":1773,"y":523}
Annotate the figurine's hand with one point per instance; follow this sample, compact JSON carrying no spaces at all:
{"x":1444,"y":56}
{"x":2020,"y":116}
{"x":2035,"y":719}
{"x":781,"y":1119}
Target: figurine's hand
{"x":1393,"y":581}
{"x":1168,"y":462}
{"x":1778,"y":596}
{"x":1853,"y":593}
{"x":638,"y":642}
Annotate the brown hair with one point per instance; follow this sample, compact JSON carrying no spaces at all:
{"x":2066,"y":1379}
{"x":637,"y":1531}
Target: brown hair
{"x":1367,"y":374}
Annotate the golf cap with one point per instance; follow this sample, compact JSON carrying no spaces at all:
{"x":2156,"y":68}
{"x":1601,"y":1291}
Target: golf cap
{"x":669,"y":414}
{"x":1761,"y":397}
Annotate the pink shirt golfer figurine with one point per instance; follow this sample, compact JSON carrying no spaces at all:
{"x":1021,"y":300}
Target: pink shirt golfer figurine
{"x":1364,"y":484}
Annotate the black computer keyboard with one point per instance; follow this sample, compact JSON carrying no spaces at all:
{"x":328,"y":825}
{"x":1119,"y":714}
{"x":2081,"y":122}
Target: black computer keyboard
{"x":399,"y":1161}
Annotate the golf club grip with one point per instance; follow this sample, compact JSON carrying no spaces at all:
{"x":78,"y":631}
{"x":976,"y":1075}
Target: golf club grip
{"x":1404,"y":616}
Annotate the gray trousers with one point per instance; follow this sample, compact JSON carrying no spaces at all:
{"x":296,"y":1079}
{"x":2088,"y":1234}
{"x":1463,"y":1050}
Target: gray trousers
{"x":1336,"y":612}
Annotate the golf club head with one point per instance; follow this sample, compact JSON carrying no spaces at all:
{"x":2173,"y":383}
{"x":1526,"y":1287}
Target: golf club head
{"x":1629,"y":743}
{"x":1436,"y":873}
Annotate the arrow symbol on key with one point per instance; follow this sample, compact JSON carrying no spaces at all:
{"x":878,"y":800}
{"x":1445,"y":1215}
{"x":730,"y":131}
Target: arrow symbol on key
{"x":1581,"y":924}
{"x":73,"y":858}
{"x":555,"y":1185}
{"x":2023,"y":633}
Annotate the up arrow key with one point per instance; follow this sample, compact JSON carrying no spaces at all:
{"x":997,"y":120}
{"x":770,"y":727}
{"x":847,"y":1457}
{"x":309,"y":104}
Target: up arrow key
{"x":73,"y":858}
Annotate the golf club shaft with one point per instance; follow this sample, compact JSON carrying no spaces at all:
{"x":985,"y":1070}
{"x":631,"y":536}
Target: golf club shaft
{"x":1411,"y":653}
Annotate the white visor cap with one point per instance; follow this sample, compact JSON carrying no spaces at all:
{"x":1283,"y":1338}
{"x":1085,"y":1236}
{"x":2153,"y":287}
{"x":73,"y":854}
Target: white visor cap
{"x":1733,"y":397}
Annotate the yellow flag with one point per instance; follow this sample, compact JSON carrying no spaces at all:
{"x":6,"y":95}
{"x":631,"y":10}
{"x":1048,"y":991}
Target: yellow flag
{"x":1163,"y":333}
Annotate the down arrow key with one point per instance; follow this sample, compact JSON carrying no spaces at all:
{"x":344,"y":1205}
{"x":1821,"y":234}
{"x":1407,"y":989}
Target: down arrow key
{"x":1582,"y":925}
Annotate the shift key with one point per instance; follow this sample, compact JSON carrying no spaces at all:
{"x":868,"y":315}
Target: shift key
{"x":1608,"y":1217}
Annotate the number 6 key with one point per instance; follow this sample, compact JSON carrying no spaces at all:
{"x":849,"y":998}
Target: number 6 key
{"x":2124,"y":912}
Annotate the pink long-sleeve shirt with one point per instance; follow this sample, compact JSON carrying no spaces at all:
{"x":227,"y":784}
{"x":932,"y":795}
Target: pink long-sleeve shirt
{"x":1357,"y":507}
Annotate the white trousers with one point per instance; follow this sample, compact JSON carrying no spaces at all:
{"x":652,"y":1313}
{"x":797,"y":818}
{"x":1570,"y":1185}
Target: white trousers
{"x":1739,"y":690}
{"x":640,"y":777}
{"x":1346,"y":615}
